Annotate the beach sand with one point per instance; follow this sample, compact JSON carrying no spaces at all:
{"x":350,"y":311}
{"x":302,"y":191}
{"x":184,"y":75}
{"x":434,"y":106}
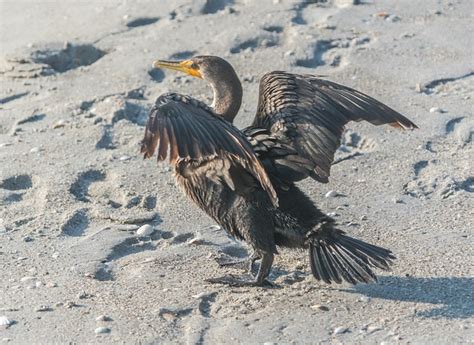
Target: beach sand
{"x":76,"y":88}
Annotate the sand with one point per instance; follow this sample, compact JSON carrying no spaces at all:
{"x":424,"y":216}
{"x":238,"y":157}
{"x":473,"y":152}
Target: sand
{"x":76,"y":88}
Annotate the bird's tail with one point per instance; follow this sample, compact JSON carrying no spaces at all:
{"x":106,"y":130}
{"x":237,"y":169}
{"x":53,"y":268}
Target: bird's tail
{"x":335,"y":257}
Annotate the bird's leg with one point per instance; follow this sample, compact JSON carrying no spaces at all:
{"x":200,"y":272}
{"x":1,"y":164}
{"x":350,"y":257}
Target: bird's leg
{"x":264,"y":269}
{"x":259,"y":280}
{"x":254,"y":257}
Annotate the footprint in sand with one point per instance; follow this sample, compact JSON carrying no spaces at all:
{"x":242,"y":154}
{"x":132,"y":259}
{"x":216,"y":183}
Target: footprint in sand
{"x":109,"y":111}
{"x":134,"y":245}
{"x":76,"y":223}
{"x":431,"y":179}
{"x":25,"y":195}
{"x":53,"y":58}
{"x":13,"y":189}
{"x":80,"y":188}
{"x":264,"y":40}
{"x":333,"y":53}
{"x":461,"y":129}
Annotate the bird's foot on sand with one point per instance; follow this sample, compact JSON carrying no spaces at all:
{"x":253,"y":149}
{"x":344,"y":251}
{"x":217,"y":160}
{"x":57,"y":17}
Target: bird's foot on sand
{"x":246,"y":264}
{"x":240,"y":281}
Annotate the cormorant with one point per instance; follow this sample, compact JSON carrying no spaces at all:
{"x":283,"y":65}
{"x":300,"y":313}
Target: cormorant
{"x":245,"y":179}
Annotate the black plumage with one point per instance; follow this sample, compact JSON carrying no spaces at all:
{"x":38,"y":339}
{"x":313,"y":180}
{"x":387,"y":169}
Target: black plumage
{"x":245,"y":180}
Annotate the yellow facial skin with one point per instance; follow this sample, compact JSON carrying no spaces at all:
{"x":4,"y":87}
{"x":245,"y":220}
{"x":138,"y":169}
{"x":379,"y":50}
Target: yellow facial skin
{"x":186,"y":66}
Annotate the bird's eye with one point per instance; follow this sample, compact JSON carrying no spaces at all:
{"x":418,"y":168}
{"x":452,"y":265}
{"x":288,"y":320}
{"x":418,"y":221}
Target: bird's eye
{"x":194,"y":66}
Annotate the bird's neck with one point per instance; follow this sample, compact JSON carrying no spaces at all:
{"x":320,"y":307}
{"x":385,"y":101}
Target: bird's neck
{"x":227,"y":97}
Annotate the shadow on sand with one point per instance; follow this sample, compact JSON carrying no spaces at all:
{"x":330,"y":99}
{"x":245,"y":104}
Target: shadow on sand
{"x":453,"y":297}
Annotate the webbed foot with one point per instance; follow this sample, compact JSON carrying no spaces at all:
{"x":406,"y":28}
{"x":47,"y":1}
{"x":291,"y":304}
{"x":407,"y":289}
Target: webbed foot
{"x":246,"y":264}
{"x":249,"y":280}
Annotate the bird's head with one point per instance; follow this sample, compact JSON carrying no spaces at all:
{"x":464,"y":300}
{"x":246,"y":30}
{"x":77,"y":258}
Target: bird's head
{"x":206,"y":67}
{"x":221,"y":77}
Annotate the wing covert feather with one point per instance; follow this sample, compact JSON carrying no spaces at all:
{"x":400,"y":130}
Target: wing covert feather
{"x":309,"y":114}
{"x":189,"y":131}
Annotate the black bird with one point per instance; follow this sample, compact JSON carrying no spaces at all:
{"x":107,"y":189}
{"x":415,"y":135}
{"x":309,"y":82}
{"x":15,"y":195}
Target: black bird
{"x":245,"y":179}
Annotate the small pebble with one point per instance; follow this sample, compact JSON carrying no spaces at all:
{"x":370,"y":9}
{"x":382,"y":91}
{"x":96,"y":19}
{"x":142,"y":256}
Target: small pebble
{"x":35,"y":150}
{"x":125,"y":158}
{"x":393,"y":18}
{"x":341,"y":330}
{"x":266,"y":43}
{"x":364,"y":217}
{"x":70,"y":304}
{"x":436,"y":110}
{"x":43,"y":308}
{"x":200,"y":295}
{"x":196,"y":241}
{"x":5,"y":322}
{"x":331,"y":194}
{"x":410,"y":35}
{"x":102,"y":330}
{"x":419,"y":88}
{"x":59,"y":124}
{"x":27,"y":279}
{"x":364,"y":299}
{"x":103,"y":318}
{"x":27,"y":239}
{"x":145,"y":230}
{"x":381,"y":14}
{"x":319,"y":307}
{"x":84,"y":295}
{"x":346,"y":3}
{"x":214,"y":227}
{"x":51,"y":285}
{"x":373,"y":329}
{"x":168,"y":314}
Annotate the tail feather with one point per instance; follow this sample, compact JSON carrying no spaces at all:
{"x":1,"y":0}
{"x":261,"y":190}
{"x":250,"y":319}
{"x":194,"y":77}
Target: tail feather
{"x":370,"y":254}
{"x":331,"y":264}
{"x":341,"y":267}
{"x":362,"y":270}
{"x":335,"y":257}
{"x":324,"y":268}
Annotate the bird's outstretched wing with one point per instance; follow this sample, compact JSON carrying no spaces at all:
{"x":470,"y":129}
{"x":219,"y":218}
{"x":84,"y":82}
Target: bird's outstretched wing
{"x":188,"y":131}
{"x":309,"y":114}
